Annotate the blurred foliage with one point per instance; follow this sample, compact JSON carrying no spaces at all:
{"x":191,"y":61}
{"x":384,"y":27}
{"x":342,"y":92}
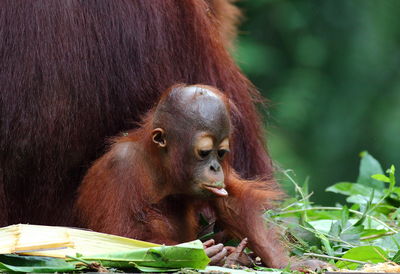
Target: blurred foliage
{"x":331,"y":72}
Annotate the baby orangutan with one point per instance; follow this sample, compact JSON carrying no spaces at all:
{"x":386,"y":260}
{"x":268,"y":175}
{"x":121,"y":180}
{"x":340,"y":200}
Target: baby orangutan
{"x":154,"y":181}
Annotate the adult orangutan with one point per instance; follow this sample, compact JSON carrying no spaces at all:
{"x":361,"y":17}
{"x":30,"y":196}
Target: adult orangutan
{"x":155,"y":180}
{"x":75,"y":72}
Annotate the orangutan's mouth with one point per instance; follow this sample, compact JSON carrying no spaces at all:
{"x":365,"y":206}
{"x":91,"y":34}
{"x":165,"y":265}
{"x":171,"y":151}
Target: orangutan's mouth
{"x":217,"y":190}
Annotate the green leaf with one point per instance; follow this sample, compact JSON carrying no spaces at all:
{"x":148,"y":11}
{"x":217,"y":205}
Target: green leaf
{"x":369,"y":166}
{"x":323,"y":214}
{"x":355,"y":207}
{"x":375,"y":232}
{"x":344,"y":217}
{"x":326,"y":244}
{"x":157,"y":259}
{"x":391,"y":170}
{"x":361,"y":199}
{"x":187,"y":255}
{"x":303,"y":236}
{"x":396,"y":257}
{"x":335,"y":229}
{"x":16,"y":263}
{"x":367,"y":254}
{"x":352,"y":234}
{"x":350,"y":189}
{"x":389,"y":242}
{"x":381,"y":177}
{"x":367,"y":209}
{"x":322,"y":225}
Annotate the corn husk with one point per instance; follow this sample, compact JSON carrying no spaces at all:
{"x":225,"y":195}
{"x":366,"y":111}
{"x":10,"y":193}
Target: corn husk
{"x":59,"y":242}
{"x":34,"y":248}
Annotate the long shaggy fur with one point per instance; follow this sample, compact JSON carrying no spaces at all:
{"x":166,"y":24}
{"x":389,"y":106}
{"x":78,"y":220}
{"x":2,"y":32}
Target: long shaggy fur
{"x":74,"y":72}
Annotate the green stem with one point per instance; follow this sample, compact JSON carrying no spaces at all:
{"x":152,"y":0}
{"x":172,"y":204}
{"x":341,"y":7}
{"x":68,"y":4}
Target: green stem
{"x":334,"y":258}
{"x":299,"y":190}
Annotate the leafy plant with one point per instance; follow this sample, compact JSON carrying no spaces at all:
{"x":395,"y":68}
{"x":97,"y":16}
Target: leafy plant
{"x":364,"y":230}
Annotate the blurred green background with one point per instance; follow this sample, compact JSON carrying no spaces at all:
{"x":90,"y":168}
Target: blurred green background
{"x":331,"y":72}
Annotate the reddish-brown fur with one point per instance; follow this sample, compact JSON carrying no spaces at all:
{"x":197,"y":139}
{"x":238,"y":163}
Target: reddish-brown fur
{"x":75,"y":72}
{"x":122,"y":194}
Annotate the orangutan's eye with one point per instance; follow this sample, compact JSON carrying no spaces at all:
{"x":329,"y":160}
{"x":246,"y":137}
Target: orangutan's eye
{"x":222,"y":153}
{"x":204,"y":153}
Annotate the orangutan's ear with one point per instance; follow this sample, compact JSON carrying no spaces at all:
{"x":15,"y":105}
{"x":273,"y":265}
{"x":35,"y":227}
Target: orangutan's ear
{"x":158,"y":137}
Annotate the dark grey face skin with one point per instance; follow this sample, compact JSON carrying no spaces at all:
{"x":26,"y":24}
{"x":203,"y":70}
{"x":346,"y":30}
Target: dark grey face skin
{"x":196,"y":120}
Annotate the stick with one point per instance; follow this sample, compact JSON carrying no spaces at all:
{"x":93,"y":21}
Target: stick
{"x":334,"y":258}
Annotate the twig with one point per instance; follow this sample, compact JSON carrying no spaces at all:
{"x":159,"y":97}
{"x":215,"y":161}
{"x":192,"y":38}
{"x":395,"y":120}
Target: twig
{"x":78,"y":259}
{"x":299,"y":190}
{"x":334,"y":258}
{"x":297,"y":202}
{"x":377,"y":236}
{"x":92,"y":266}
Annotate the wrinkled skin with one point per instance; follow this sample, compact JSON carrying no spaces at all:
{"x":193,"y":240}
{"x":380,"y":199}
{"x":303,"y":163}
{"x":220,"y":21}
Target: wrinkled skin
{"x":202,"y":113}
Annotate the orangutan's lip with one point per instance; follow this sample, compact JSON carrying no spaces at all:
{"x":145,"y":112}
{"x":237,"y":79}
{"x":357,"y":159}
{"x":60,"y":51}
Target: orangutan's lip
{"x":219,"y":191}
